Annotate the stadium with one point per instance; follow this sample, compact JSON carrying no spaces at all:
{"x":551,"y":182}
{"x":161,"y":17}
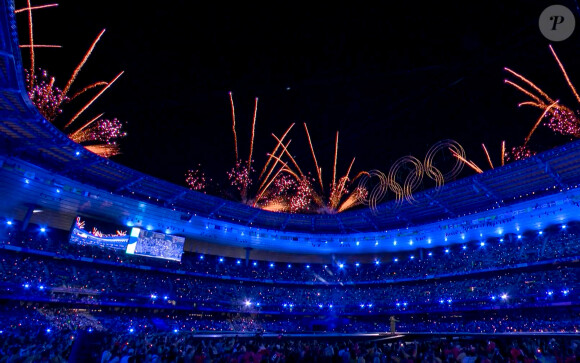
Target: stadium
{"x":96,"y":256}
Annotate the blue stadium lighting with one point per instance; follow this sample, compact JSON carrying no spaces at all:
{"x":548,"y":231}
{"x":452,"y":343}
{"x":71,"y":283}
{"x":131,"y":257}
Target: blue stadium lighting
{"x":258,"y":304}
{"x":481,"y":235}
{"x":429,"y":241}
{"x":550,"y":293}
{"x":320,"y":306}
{"x":462,"y":236}
{"x":362,"y":306}
{"x":175,"y":330}
{"x":565,"y":292}
{"x":58,"y":190}
{"x":376,"y":243}
{"x":447,"y":250}
{"x":410,"y":242}
{"x":504,"y":296}
{"x":149,"y":228}
{"x":563,"y":226}
{"x":412,"y":257}
{"x":221,"y":259}
{"x":26,"y":181}
{"x":445,"y":239}
{"x":341,"y":265}
{"x":394,"y":243}
{"x":48,"y":330}
{"x":131,"y":330}
{"x":404,"y":304}
{"x":370,"y":305}
{"x":77,"y":153}
{"x":449,"y":301}
{"x":357,"y":243}
{"x":330,"y":306}
{"x":357,"y":264}
{"x":501,"y":239}
{"x":130,"y":224}
{"x":165,"y":297}
{"x":201,"y":257}
{"x":9,"y":223}
{"x":395,"y":260}
{"x":248,"y":302}
{"x":284,"y":305}
{"x":289,"y":265}
{"x":377,"y":262}
{"x":307,"y":266}
{"x":493,"y":297}
{"x":430,"y":254}
{"x":255,"y":263}
{"x":153,"y":297}
{"x":325,"y":266}
{"x":238,"y":262}
{"x":441,"y":301}
{"x":90,"y":330}
{"x":42,"y":229}
{"x":464,"y":247}
{"x":291,"y":306}
{"x":167,"y":231}
{"x":398,"y":304}
{"x":482,"y":244}
{"x":541,"y":233}
{"x":519,"y":236}
{"x":271,"y":265}
{"x":26,"y":286}
{"x":41,"y":287}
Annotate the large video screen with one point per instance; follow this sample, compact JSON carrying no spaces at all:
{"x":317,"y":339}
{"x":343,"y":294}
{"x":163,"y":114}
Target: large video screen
{"x":87,"y":231}
{"x":154,"y":244}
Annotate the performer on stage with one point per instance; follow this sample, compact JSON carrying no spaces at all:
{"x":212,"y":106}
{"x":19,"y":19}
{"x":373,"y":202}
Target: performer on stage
{"x":393,"y":321}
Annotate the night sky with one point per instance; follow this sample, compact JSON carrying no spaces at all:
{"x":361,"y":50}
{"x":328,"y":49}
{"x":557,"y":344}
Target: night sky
{"x":392,"y":81}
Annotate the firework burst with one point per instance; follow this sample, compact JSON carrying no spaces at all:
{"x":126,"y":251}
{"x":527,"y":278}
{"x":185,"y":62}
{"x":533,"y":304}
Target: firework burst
{"x":98,"y":135}
{"x":303,"y":195}
{"x":557,"y":117}
{"x":196,"y":179}
{"x":281,"y":185}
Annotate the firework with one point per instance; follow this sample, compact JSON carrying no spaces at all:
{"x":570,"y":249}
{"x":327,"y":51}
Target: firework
{"x":97,"y":135}
{"x":99,"y":130}
{"x":560,"y":118}
{"x":47,"y":98}
{"x":519,"y":153}
{"x":196,"y":179}
{"x":240,"y":178}
{"x":282,"y":186}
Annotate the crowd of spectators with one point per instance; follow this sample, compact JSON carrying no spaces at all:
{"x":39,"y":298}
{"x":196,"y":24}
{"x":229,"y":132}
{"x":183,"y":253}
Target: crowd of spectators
{"x":177,"y":346}
{"x":467,"y":258}
{"x":37,"y":268}
{"x":61,"y":279}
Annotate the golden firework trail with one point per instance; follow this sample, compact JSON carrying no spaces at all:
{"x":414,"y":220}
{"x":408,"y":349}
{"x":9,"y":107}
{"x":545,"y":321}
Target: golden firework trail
{"x":487,"y":155}
{"x":318,"y":170}
{"x":275,"y":149}
{"x":234,"y":126}
{"x":88,"y":104}
{"x":82,"y":63}
{"x":253,"y":134}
